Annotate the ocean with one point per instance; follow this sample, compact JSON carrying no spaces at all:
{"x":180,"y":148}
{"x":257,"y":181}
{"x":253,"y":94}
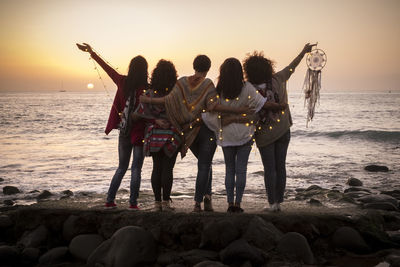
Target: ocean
{"x":55,"y":141}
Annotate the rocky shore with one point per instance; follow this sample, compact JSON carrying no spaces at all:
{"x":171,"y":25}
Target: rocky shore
{"x":316,"y":227}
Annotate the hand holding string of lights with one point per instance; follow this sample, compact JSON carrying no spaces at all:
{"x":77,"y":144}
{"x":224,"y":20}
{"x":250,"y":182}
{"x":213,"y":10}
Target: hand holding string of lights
{"x":85,"y":47}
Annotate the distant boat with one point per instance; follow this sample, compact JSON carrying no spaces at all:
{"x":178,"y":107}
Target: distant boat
{"x":62,"y":90}
{"x":62,"y":87}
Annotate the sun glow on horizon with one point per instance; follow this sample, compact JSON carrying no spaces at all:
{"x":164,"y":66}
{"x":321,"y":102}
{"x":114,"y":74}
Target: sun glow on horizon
{"x":90,"y":85}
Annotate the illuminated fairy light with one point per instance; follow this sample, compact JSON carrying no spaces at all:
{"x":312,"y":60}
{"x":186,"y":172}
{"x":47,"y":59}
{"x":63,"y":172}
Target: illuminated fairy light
{"x":259,"y":128}
{"x":219,"y":116}
{"x":247,"y":124}
{"x":190,"y":126}
{"x":217,"y":96}
{"x":237,"y":98}
{"x":204,"y":110}
{"x":249,"y":97}
{"x":166,"y":89}
{"x":244,"y":114}
{"x":197,"y":119}
{"x":220,"y":130}
{"x":270,"y":127}
{"x":278,"y":120}
{"x":226,"y":99}
{"x":211,"y":139}
{"x":283,"y":112}
{"x":172,"y":139}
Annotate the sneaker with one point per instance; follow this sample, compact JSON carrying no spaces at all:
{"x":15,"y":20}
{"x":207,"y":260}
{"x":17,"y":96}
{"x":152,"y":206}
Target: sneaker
{"x":197,"y":207}
{"x":110,"y":205}
{"x":157,"y":206}
{"x":134,"y":207}
{"x":208,"y":203}
{"x":166,"y":205}
{"x":278,"y":206}
{"x":271,"y":207}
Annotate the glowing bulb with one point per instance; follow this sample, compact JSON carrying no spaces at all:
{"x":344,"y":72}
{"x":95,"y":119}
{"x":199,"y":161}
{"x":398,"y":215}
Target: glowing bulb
{"x":283,"y":112}
{"x":204,"y":110}
{"x":244,"y":114}
{"x":172,"y":139}
{"x":251,"y":122}
{"x":291,"y":70}
{"x":249,"y":97}
{"x":182,"y":133}
{"x":220,"y":130}
{"x":90,"y":85}
{"x":259,"y":127}
{"x":155,"y":91}
{"x":270,"y":127}
{"x":197,"y":119}
{"x":143,"y":141}
{"x":144,"y":91}
{"x":219,"y":116}
{"x":211,"y":139}
{"x":247,"y":124}
{"x":192,"y":107}
{"x":237,"y":98}
{"x":212,"y":99}
{"x":190,"y":126}
{"x":226,"y":99}
{"x":183,"y":101}
{"x":278,"y":120}
{"x":217,"y":96}
{"x":254,"y":139}
{"x":166,"y":89}
{"x":220,"y":138}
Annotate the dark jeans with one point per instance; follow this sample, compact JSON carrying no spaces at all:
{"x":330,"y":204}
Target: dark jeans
{"x":162,"y":174}
{"x":236,"y":159}
{"x":203,"y":148}
{"x":125,"y":148}
{"x":274,"y":160}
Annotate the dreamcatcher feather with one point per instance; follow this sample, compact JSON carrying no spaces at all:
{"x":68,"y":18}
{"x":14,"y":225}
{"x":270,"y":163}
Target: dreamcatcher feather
{"x":316,"y":61}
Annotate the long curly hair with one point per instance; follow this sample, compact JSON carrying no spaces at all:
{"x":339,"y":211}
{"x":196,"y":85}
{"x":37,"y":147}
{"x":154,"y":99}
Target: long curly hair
{"x":164,"y":77}
{"x":257,"y":68}
{"x":137,"y":76}
{"x":230,"y":81}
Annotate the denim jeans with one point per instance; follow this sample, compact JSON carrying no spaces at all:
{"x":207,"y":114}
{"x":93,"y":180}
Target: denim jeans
{"x":125,"y":148}
{"x":274,"y":160}
{"x":162,"y":174}
{"x":236,"y":159}
{"x":203,"y":148}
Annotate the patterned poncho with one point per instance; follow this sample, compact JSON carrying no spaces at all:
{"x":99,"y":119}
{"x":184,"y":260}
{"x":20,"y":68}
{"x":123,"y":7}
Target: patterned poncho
{"x":184,"y":104}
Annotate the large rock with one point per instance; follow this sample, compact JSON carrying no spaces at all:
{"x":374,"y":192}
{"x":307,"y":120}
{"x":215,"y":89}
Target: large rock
{"x":82,"y":246}
{"x":8,"y":254}
{"x":241,"y":251}
{"x":35,"y":238}
{"x":167,"y":258}
{"x":129,"y":246}
{"x":354,"y":182}
{"x":218,"y":234}
{"x":10,"y":190}
{"x":262,"y":234}
{"x":381,"y":206}
{"x":31,"y":254}
{"x":210,"y":264}
{"x":379,"y":199}
{"x":76,"y":225}
{"x":294,"y":245}
{"x":44,"y":195}
{"x":5,"y":221}
{"x":376,"y":168}
{"x":54,"y":256}
{"x":195,"y":256}
{"x":347,"y":238}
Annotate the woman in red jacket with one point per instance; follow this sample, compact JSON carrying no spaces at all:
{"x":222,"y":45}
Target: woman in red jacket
{"x":126,"y":100}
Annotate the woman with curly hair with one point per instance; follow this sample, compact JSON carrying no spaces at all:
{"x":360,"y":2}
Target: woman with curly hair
{"x":162,"y":140}
{"x":130,"y":141}
{"x":273,"y":130}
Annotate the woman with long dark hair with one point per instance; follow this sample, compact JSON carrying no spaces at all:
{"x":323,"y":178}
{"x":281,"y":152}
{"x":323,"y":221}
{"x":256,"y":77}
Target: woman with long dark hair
{"x":235,"y":138}
{"x":126,"y":100}
{"x":273,"y":131}
{"x":162,"y":140}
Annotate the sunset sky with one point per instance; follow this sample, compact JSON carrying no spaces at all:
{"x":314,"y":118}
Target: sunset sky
{"x":37,"y":50}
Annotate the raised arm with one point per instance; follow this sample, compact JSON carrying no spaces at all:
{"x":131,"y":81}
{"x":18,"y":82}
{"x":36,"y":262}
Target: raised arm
{"x":114,"y":75}
{"x":307,"y":49}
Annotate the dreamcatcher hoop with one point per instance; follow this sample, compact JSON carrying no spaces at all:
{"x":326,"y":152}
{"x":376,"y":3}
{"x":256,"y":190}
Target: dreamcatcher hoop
{"x":316,"y":61}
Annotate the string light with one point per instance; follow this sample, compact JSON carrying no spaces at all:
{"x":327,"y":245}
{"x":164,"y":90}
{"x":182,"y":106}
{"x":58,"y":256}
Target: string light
{"x":211,"y":139}
{"x":270,"y":127}
{"x":278,"y":120}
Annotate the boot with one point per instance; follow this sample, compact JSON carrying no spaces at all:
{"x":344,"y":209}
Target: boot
{"x":208,"y":203}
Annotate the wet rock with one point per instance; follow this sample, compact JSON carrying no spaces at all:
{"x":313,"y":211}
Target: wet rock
{"x":356,"y":194}
{"x":10,"y":190}
{"x":313,"y":187}
{"x":294,"y":245}
{"x":379,"y":199}
{"x":376,"y":168}
{"x":129,"y":246}
{"x":314,"y":202}
{"x":393,"y":259}
{"x":348,"y":199}
{"x":45,"y":194}
{"x":394,"y":236}
{"x":8,"y":202}
{"x":35,"y":238}
{"x":5,"y":221}
{"x":393,"y":193}
{"x":381,"y":206}
{"x":82,"y":246}
{"x":54,"y":256}
{"x":354,"y":182}
{"x":261,"y":234}
{"x":8,"y":254}
{"x":211,"y":264}
{"x":195,"y":256}
{"x":241,"y":251}
{"x":311,"y":191}
{"x":1,"y":179}
{"x":68,"y":193}
{"x":347,"y":238}
{"x":218,"y":234}
{"x":167,"y":258}
{"x":357,"y":189}
{"x":76,"y":225}
{"x":334,"y":194}
{"x":31,"y":254}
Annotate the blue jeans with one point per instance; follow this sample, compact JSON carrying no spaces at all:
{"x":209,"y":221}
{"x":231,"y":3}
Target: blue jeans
{"x":236,"y":159}
{"x":125,"y":148}
{"x":274,"y":160}
{"x":203,"y":148}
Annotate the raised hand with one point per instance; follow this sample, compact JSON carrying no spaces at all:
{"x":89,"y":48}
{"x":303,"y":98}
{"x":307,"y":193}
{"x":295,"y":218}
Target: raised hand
{"x":308,"y":47}
{"x":85,"y":47}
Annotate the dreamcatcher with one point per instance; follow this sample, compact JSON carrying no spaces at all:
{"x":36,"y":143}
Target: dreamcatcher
{"x":316,"y":61}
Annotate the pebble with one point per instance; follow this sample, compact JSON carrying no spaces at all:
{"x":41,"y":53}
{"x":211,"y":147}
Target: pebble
{"x":376,"y":168}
